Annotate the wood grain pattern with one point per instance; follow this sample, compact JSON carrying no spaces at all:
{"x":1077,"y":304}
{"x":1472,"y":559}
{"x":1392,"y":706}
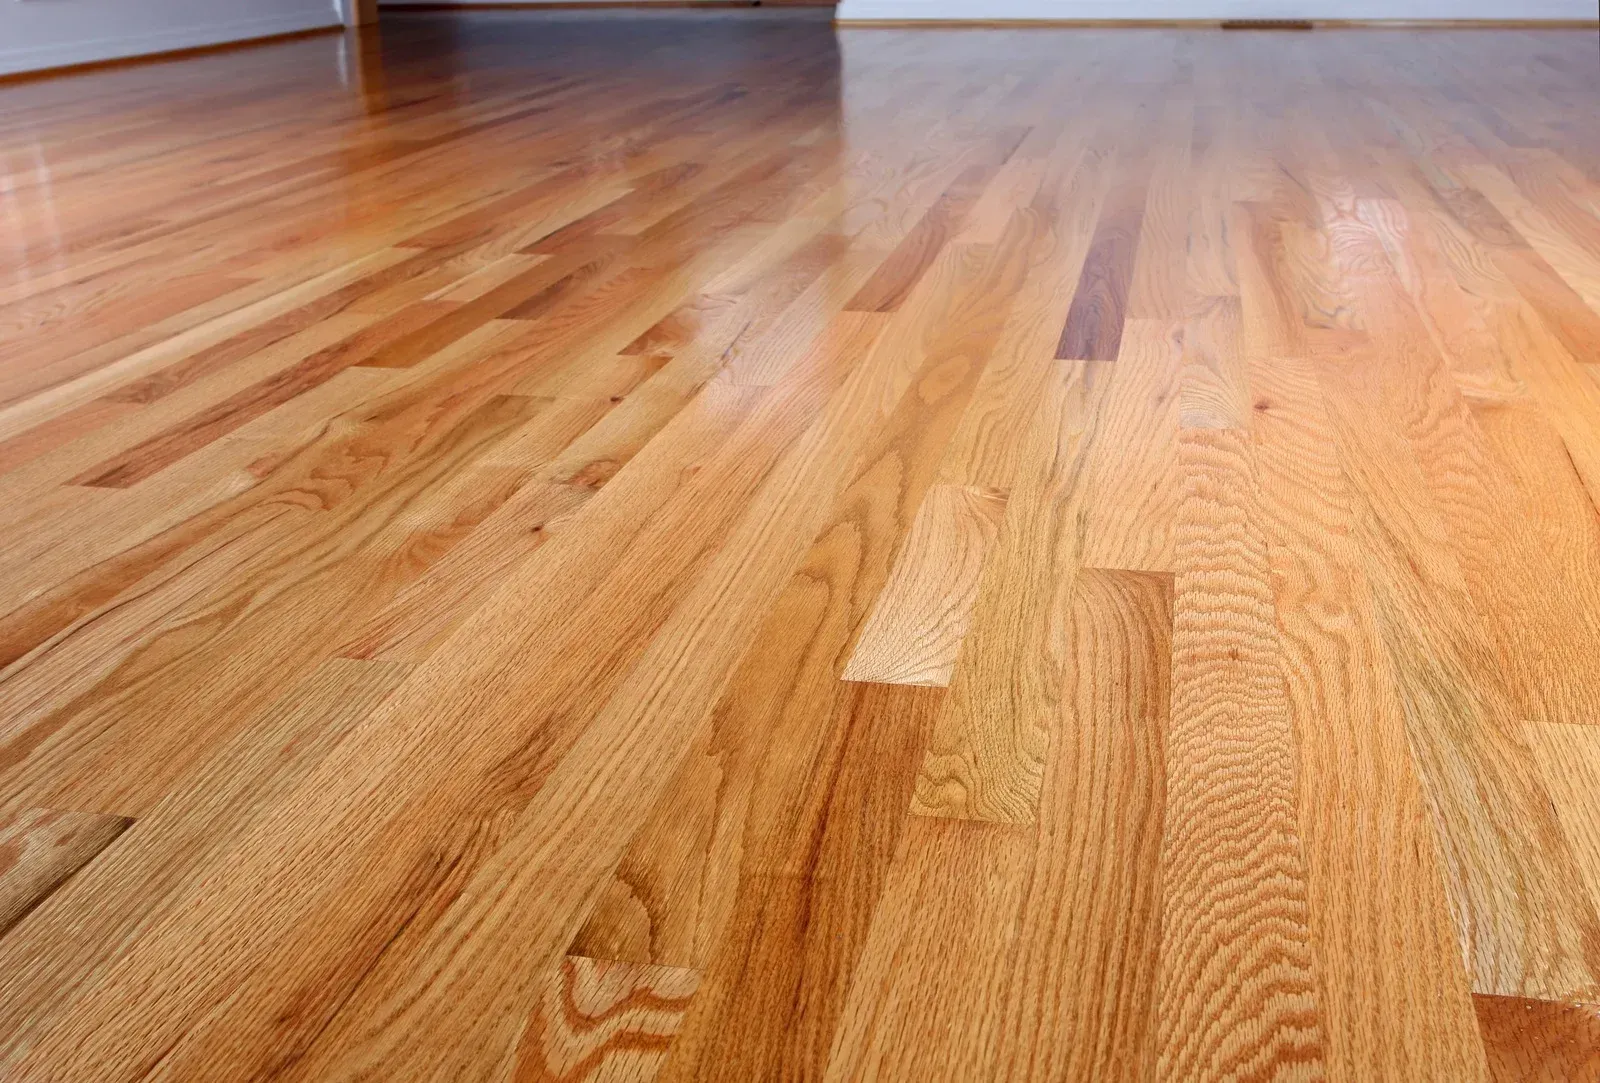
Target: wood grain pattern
{"x":1079,"y":1003}
{"x":1093,"y":329}
{"x":1535,"y":1041}
{"x":1524,"y":934}
{"x":986,"y":758}
{"x":1133,"y":485}
{"x":1569,"y":765}
{"x":40,"y":848}
{"x":1238,"y":994}
{"x":985,"y":958}
{"x":677,"y":886}
{"x":728,"y":548}
{"x":935,"y":963}
{"x":604,"y":1022}
{"x":1395,"y":993}
{"x":915,"y":631}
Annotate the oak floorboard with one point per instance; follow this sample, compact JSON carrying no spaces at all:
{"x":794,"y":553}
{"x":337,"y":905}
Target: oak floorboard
{"x":986,"y":757}
{"x":1539,"y":1041}
{"x":1569,"y":763}
{"x":88,"y":924}
{"x":41,"y":848}
{"x":732,"y":809}
{"x":916,"y":628}
{"x":1238,"y":989}
{"x":1529,"y":933}
{"x":1133,"y":487}
{"x":1394,"y":985}
{"x":934,"y":961}
{"x":980,"y":962}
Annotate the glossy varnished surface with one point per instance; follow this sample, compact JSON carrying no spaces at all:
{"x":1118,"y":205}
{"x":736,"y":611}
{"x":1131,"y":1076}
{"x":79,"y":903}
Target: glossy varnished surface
{"x":699,"y":548}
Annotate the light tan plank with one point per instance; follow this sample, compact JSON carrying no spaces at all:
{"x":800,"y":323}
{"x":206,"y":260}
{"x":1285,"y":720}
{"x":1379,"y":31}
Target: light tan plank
{"x":41,"y":848}
{"x":1395,"y":988}
{"x":917,"y":626}
{"x":1238,"y":987}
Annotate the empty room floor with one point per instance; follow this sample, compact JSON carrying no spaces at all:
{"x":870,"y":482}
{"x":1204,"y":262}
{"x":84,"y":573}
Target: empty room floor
{"x":550,"y":548}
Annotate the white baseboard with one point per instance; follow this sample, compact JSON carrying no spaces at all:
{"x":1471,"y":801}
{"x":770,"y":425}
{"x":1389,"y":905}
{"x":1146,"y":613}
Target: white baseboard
{"x":161,"y":41}
{"x":515,"y":4}
{"x":991,"y":10}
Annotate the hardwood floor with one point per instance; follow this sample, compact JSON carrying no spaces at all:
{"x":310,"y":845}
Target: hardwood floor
{"x":550,"y":547}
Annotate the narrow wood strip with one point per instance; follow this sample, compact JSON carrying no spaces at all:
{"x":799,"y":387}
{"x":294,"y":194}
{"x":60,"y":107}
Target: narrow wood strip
{"x":1214,"y":392}
{"x":424,"y":614}
{"x":935,"y":965}
{"x":986,"y":449}
{"x":889,"y":286}
{"x":1093,"y":331}
{"x":1078,"y":1003}
{"x":193,"y":433}
{"x":1238,"y":988}
{"x":986,"y":758}
{"x":1539,"y":1041}
{"x":775,"y":992}
{"x":1539,"y":640}
{"x":919,"y":621}
{"x":41,"y":848}
{"x":1133,"y":487}
{"x":1396,"y":992}
{"x":1569,"y":764}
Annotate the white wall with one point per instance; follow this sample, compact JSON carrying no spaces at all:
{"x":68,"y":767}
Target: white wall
{"x":1215,"y":9}
{"x":49,"y":33}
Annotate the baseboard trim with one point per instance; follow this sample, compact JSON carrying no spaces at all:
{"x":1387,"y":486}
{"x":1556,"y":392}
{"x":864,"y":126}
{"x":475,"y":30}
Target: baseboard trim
{"x":600,"y":5}
{"x":1212,"y":24}
{"x":12,"y":71}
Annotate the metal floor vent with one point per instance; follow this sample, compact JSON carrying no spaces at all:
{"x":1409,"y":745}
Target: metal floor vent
{"x":1266,"y":24}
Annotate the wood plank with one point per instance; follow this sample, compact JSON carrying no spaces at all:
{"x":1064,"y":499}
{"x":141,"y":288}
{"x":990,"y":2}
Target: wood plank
{"x":919,"y":621}
{"x":1237,"y":996}
{"x":1568,"y":758}
{"x":41,"y":848}
{"x":752,"y":460}
{"x":1539,"y":1041}
{"x":1133,"y":489}
{"x":985,"y":760}
{"x":1539,"y":640}
{"x":1093,"y":331}
{"x":982,"y":960}
{"x":923,"y":996}
{"x":776,"y":990}
{"x":90,"y":923}
{"x":1081,"y":1002}
{"x":894,"y":280}
{"x":1528,"y":932}
{"x":1214,"y":392}
{"x":986,"y":449}
{"x":1394,"y":986}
